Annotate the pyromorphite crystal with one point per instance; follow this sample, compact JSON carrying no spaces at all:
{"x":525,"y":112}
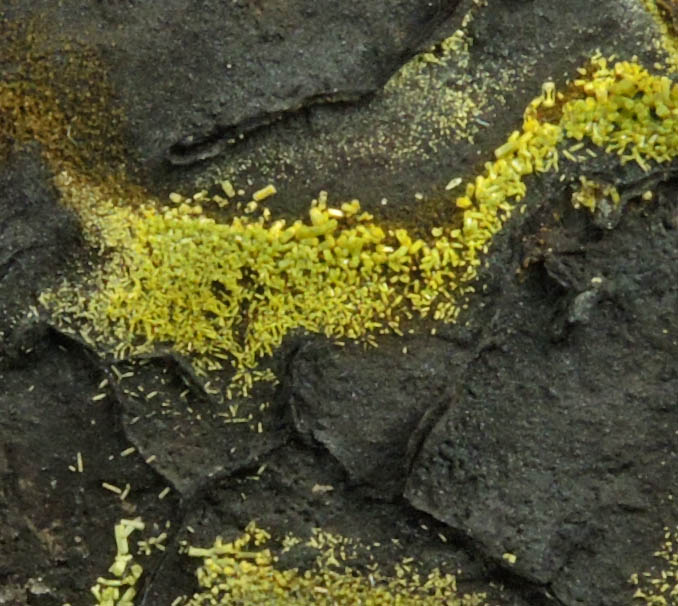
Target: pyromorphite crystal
{"x":232,"y":291}
{"x":245,"y":571}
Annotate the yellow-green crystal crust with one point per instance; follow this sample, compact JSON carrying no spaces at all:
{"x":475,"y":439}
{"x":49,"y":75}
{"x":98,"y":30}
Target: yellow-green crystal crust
{"x":232,"y":291}
{"x":244,"y":571}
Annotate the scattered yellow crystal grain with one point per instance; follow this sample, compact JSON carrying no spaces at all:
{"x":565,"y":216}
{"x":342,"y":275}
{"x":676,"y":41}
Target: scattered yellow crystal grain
{"x":660,"y":587}
{"x":121,"y":589}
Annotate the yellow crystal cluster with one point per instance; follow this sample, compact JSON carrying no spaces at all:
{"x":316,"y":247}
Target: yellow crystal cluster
{"x":591,"y":193}
{"x":662,"y":12}
{"x":121,"y":589}
{"x":625,"y":110}
{"x":244,"y":572}
{"x":232,"y":290}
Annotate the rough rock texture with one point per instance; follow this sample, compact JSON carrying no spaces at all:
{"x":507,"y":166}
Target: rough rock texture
{"x":288,"y":497}
{"x":55,"y":523}
{"x":560,"y":443}
{"x":434,"y":121}
{"x":364,"y":406}
{"x":37,"y":240}
{"x":169,"y":414}
{"x":542,"y":425}
{"x":192,"y":76}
